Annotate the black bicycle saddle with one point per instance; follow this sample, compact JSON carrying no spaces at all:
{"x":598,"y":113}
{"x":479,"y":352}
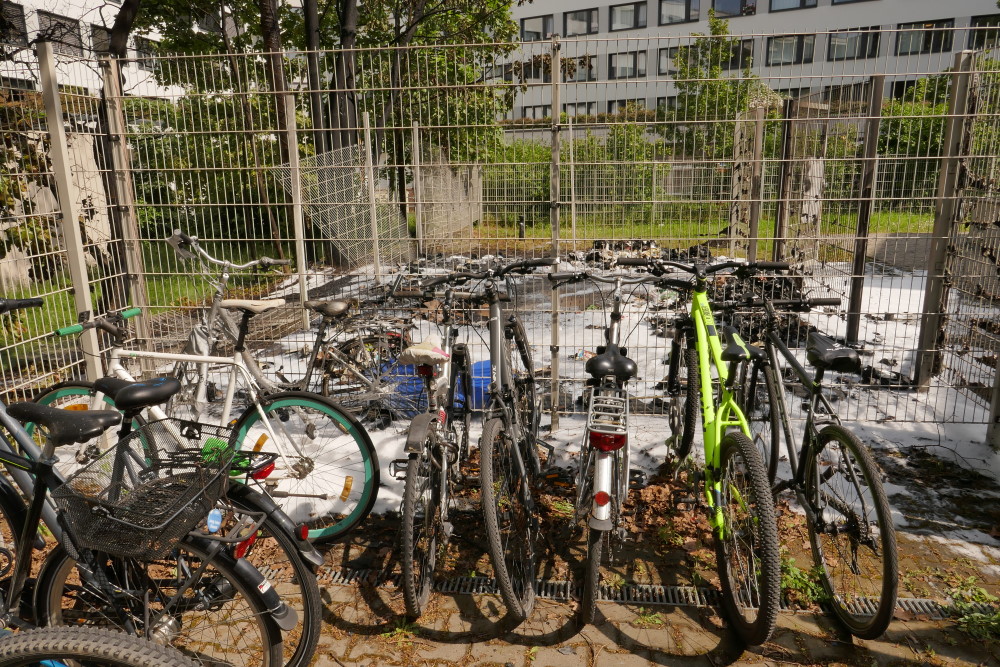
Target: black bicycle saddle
{"x":612,"y":362}
{"x":63,"y":427}
{"x":138,"y":395}
{"x":823,"y":352}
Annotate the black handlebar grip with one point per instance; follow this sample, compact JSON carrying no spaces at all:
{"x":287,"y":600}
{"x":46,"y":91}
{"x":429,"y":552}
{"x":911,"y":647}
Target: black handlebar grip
{"x":632,"y":261}
{"x":8,"y":305}
{"x":409,"y":293}
{"x":825,"y":301}
{"x":555,"y":277}
{"x":270,"y":261}
{"x":541,"y":261}
{"x":183,"y":237}
{"x":773,"y":266}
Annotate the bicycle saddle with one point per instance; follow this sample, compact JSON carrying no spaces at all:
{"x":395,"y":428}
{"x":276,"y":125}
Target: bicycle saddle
{"x":736,"y":349}
{"x":255,"y":307}
{"x":138,"y":395}
{"x":612,"y":362}
{"x":823,"y":352}
{"x":334,"y":308}
{"x":64,"y":427}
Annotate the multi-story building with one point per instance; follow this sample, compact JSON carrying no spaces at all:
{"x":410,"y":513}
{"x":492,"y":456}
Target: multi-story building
{"x":625,"y":50}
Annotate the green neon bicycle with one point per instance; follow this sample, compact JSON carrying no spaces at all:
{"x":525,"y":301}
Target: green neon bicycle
{"x":736,"y":489}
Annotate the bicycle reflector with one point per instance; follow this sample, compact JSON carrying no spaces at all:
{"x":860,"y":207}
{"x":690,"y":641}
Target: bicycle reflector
{"x":263,"y":472}
{"x":243,"y":547}
{"x":602,"y":498}
{"x":607,"y":442}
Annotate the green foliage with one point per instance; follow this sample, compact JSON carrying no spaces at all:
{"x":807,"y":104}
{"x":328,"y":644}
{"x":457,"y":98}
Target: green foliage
{"x":801,"y":586}
{"x":974,"y":623}
{"x":648,"y":619}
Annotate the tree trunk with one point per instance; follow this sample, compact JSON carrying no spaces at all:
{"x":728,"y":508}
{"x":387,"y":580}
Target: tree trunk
{"x":276,"y":80}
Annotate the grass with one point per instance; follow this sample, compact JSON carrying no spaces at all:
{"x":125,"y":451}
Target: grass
{"x":801,"y":586}
{"x":648,"y":619}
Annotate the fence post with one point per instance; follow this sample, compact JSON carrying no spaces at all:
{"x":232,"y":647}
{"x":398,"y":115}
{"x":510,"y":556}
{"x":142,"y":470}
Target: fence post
{"x":370,"y":177}
{"x":68,"y":209}
{"x":125,"y":190}
{"x":572,"y":178}
{"x":418,"y":195}
{"x":784,"y":180}
{"x":946,"y":208}
{"x":756,"y":183}
{"x":298,"y":218}
{"x":554,"y":203}
{"x":865,"y":208}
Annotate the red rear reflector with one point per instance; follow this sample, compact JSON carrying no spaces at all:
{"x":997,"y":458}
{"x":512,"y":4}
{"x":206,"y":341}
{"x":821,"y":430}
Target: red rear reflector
{"x":303,"y":532}
{"x":262,"y":473}
{"x":425,"y":370}
{"x":241,"y":549}
{"x":602,"y":498}
{"x":607,"y":442}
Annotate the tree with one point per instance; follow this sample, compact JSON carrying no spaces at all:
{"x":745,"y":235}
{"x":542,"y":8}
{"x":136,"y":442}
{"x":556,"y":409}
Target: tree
{"x":912,"y":132}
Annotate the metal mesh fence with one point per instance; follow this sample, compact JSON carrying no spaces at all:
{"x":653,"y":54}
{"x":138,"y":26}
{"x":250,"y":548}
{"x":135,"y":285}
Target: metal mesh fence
{"x":650,"y":145}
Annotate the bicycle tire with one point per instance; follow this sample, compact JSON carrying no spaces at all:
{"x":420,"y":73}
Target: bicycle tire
{"x":839,"y":466}
{"x":523,"y":376}
{"x":85,"y":647}
{"x":684,"y":405}
{"x":348,"y":465}
{"x":63,"y":597}
{"x":758,"y":398}
{"x":748,"y":519}
{"x":276,"y":556}
{"x":505,"y":490}
{"x":421,"y":521}
{"x":592,"y":575}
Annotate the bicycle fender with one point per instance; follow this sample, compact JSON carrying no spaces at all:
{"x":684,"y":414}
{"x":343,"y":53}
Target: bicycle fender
{"x":417,"y":432}
{"x":16,"y":509}
{"x":284,"y":616}
{"x":599,"y":524}
{"x":261,"y":502}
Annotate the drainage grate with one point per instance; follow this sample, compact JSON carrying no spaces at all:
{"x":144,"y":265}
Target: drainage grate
{"x":675,"y":596}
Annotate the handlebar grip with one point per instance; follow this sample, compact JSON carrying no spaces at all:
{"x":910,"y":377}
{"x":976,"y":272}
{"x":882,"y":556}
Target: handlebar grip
{"x":773,"y":266}
{"x":541,"y":261}
{"x":409,"y":293}
{"x":183,"y":237}
{"x":70,"y":330}
{"x":130,"y":313}
{"x":269,"y":261}
{"x":826,"y":301}
{"x":632,"y":261}
{"x":554,"y":277}
{"x":9,"y":305}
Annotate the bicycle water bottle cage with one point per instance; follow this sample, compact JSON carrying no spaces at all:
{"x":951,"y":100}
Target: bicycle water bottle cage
{"x":823,"y":353}
{"x":329,"y":309}
{"x":736,"y":349}
{"x":611,"y":361}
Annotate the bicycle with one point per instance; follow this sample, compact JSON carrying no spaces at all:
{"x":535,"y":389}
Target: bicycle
{"x":604,"y":474}
{"x":833,"y":476}
{"x":186,"y":586}
{"x":85,"y":647}
{"x":734,"y":482}
{"x":353,"y":362}
{"x":437,"y":444}
{"x":327,"y":473}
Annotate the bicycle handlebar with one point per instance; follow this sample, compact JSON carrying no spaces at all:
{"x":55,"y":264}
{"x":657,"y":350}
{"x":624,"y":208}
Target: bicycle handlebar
{"x":108,"y":324}
{"x":10,"y":305}
{"x":559,"y":279}
{"x":184,"y":244}
{"x":658,"y":266}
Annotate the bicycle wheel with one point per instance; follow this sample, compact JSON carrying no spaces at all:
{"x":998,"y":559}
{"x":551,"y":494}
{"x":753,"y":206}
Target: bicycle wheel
{"x":683,"y":403}
{"x":363,"y":377}
{"x":85,"y":647}
{"x":506,"y":499}
{"x":853,"y":540}
{"x":421,"y":525}
{"x":327,"y":473}
{"x":592,"y":575}
{"x":198,"y":604}
{"x":274,"y":553}
{"x":746,"y":542}
{"x":758,"y":398}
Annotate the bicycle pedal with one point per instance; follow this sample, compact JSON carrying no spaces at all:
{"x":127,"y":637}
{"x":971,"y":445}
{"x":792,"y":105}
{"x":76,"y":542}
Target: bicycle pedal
{"x":676,"y":500}
{"x":561,"y":477}
{"x":637,"y":479}
{"x":397,"y":468}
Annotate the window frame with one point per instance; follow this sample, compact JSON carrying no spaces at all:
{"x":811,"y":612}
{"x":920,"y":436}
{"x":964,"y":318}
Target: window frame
{"x":945,"y":31}
{"x":591,"y":69}
{"x":591,"y":109}
{"x":847,"y":2}
{"x":747,"y":8}
{"x":551,"y":25}
{"x":536,"y":106}
{"x":867,"y":34}
{"x":984,"y":30}
{"x":666,"y":71}
{"x":145,"y":60}
{"x":736,"y":62}
{"x":594,"y":16}
{"x":639,"y":102}
{"x":73,"y":25}
{"x":687,"y":13}
{"x":802,"y":5}
{"x":800,"y":51}
{"x":94,"y":29}
{"x":642,"y":18}
{"x":19,"y":23}
{"x":612,"y":71}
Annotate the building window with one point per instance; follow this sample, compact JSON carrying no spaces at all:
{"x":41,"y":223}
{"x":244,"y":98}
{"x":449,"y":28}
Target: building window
{"x":15,"y":30}
{"x":534,"y":29}
{"x":583,"y":69}
{"x":583,"y":22}
{"x":927,"y":37}
{"x":899,"y":88}
{"x":618,"y":106}
{"x":536,"y":69}
{"x":790,"y":49}
{"x":62,"y":31}
{"x":628,"y":17}
{"x":742,"y":55}
{"x":627,"y":65}
{"x":538,"y":111}
{"x":792,"y":93}
{"x":145,"y":52}
{"x":679,"y":11}
{"x":726,"y":8}
{"x":669,"y":102}
{"x":984,"y":33}
{"x":853,"y":44}
{"x":782,"y":5}
{"x":580,"y":108}
{"x":845,"y":2}
{"x":100,"y":40}
{"x":665,"y":64}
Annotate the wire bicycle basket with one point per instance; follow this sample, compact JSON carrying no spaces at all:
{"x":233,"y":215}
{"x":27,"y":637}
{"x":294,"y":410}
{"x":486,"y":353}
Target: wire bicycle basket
{"x":143,"y":495}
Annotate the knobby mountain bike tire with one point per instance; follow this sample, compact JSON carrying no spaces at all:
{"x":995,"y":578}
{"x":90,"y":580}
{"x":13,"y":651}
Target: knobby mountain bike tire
{"x":746,"y":544}
{"x":683,"y":404}
{"x":506,"y":497}
{"x":758,"y":397}
{"x":327,"y":472}
{"x":85,"y":647}
{"x":219,"y":618}
{"x":853,"y":539}
{"x":421,"y":526}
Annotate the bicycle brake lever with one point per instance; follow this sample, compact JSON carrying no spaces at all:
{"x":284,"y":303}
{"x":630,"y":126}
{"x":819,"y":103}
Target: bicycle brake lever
{"x":178,"y":245}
